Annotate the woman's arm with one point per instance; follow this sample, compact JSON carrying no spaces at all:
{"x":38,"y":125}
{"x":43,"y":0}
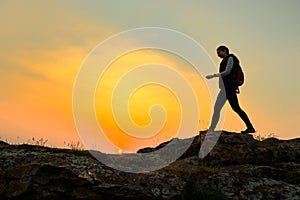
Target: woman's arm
{"x":227,"y":71}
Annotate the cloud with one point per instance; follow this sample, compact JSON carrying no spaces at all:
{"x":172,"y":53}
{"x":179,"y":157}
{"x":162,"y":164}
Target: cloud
{"x":12,"y":68}
{"x":46,"y":41}
{"x":46,"y":25}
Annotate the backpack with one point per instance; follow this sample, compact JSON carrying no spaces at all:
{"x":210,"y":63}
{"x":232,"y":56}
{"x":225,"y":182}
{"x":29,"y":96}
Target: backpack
{"x":237,"y":75}
{"x":239,"y":78}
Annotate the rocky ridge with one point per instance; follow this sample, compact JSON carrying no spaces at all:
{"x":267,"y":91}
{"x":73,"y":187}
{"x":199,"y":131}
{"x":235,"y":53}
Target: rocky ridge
{"x":238,"y":167}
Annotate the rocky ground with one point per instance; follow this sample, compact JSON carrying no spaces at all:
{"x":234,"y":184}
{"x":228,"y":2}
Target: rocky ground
{"x":238,"y":167}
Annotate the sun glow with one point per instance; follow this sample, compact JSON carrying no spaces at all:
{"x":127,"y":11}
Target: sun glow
{"x":120,"y":151}
{"x":148,"y":104}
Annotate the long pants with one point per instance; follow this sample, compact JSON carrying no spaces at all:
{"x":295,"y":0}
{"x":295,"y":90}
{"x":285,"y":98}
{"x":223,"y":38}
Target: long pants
{"x":231,"y":96}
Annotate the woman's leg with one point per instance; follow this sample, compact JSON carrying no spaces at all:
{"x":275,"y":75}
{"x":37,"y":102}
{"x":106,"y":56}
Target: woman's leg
{"x":234,"y":103}
{"x":220,"y":101}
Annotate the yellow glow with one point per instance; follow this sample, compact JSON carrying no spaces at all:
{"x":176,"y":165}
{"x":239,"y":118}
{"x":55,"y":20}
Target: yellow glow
{"x":141,"y":100}
{"x":120,"y":151}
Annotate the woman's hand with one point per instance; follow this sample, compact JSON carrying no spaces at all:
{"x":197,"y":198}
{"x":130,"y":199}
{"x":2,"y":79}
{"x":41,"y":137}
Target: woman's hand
{"x":211,"y":76}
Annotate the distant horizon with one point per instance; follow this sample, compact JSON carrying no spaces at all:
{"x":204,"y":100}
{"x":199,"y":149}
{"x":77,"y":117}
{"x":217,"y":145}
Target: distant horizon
{"x":78,"y":145}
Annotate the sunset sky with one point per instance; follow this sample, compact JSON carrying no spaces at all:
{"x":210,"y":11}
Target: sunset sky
{"x":44,"y":43}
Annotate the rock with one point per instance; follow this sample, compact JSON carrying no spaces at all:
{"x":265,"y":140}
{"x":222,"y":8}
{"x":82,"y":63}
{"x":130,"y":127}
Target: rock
{"x":3,"y":144}
{"x":238,"y":167}
{"x":254,"y":182}
{"x":38,"y":173}
{"x":236,"y":148}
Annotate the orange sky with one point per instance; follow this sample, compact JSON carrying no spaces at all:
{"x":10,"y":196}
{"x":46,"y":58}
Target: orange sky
{"x":141,"y":101}
{"x":44,"y":44}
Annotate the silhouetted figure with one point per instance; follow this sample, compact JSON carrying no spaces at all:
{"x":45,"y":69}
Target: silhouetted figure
{"x":227,"y":72}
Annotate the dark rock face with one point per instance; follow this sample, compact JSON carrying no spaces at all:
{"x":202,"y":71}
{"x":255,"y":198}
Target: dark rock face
{"x":240,"y":148}
{"x":30,"y":172}
{"x":238,"y":167}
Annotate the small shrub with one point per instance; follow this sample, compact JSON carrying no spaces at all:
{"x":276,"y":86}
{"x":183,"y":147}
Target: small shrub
{"x":40,"y":142}
{"x":76,"y":146}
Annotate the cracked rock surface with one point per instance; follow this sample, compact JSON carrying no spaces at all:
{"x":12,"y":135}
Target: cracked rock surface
{"x":238,"y":167}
